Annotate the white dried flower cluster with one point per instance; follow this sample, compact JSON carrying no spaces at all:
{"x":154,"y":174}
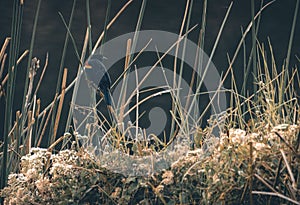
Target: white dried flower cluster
{"x":33,"y":165}
{"x":239,"y":138}
{"x":47,"y":178}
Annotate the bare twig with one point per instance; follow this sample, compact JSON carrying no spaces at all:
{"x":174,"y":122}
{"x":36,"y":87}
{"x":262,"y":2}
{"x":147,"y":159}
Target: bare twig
{"x":47,"y":120}
{"x":5,"y":44}
{"x":294,"y":185}
{"x":276,"y":194}
{"x":285,"y":142}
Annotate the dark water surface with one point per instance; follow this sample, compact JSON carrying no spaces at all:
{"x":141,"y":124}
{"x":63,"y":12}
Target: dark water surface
{"x":164,"y":15}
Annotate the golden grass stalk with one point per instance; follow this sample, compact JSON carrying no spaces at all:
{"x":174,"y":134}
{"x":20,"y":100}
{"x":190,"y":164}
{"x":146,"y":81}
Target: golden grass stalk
{"x":60,"y":105}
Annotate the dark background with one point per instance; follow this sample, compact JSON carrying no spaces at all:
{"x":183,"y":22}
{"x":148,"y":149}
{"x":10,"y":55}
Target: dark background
{"x":164,"y":15}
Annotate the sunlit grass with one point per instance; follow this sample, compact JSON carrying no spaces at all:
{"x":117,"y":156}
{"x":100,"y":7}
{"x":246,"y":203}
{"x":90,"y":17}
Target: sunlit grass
{"x":254,"y":160}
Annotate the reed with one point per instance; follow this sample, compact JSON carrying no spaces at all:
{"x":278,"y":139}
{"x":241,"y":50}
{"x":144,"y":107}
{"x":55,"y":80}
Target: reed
{"x":254,"y":160}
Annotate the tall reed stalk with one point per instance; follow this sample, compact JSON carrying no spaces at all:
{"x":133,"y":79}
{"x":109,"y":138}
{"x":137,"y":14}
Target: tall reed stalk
{"x":12,"y":70}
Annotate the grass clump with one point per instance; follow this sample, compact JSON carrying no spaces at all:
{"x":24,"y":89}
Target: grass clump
{"x":254,"y":160}
{"x":259,"y":163}
{"x":239,"y":168}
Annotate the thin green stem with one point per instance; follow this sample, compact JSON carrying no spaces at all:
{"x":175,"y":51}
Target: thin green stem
{"x":247,"y":71}
{"x":132,"y":51}
{"x":24,"y":102}
{"x":13,"y":53}
{"x":285,"y":76}
{"x":62,"y":62}
{"x":105,"y":26}
{"x":253,"y":43}
{"x":88,"y":17}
